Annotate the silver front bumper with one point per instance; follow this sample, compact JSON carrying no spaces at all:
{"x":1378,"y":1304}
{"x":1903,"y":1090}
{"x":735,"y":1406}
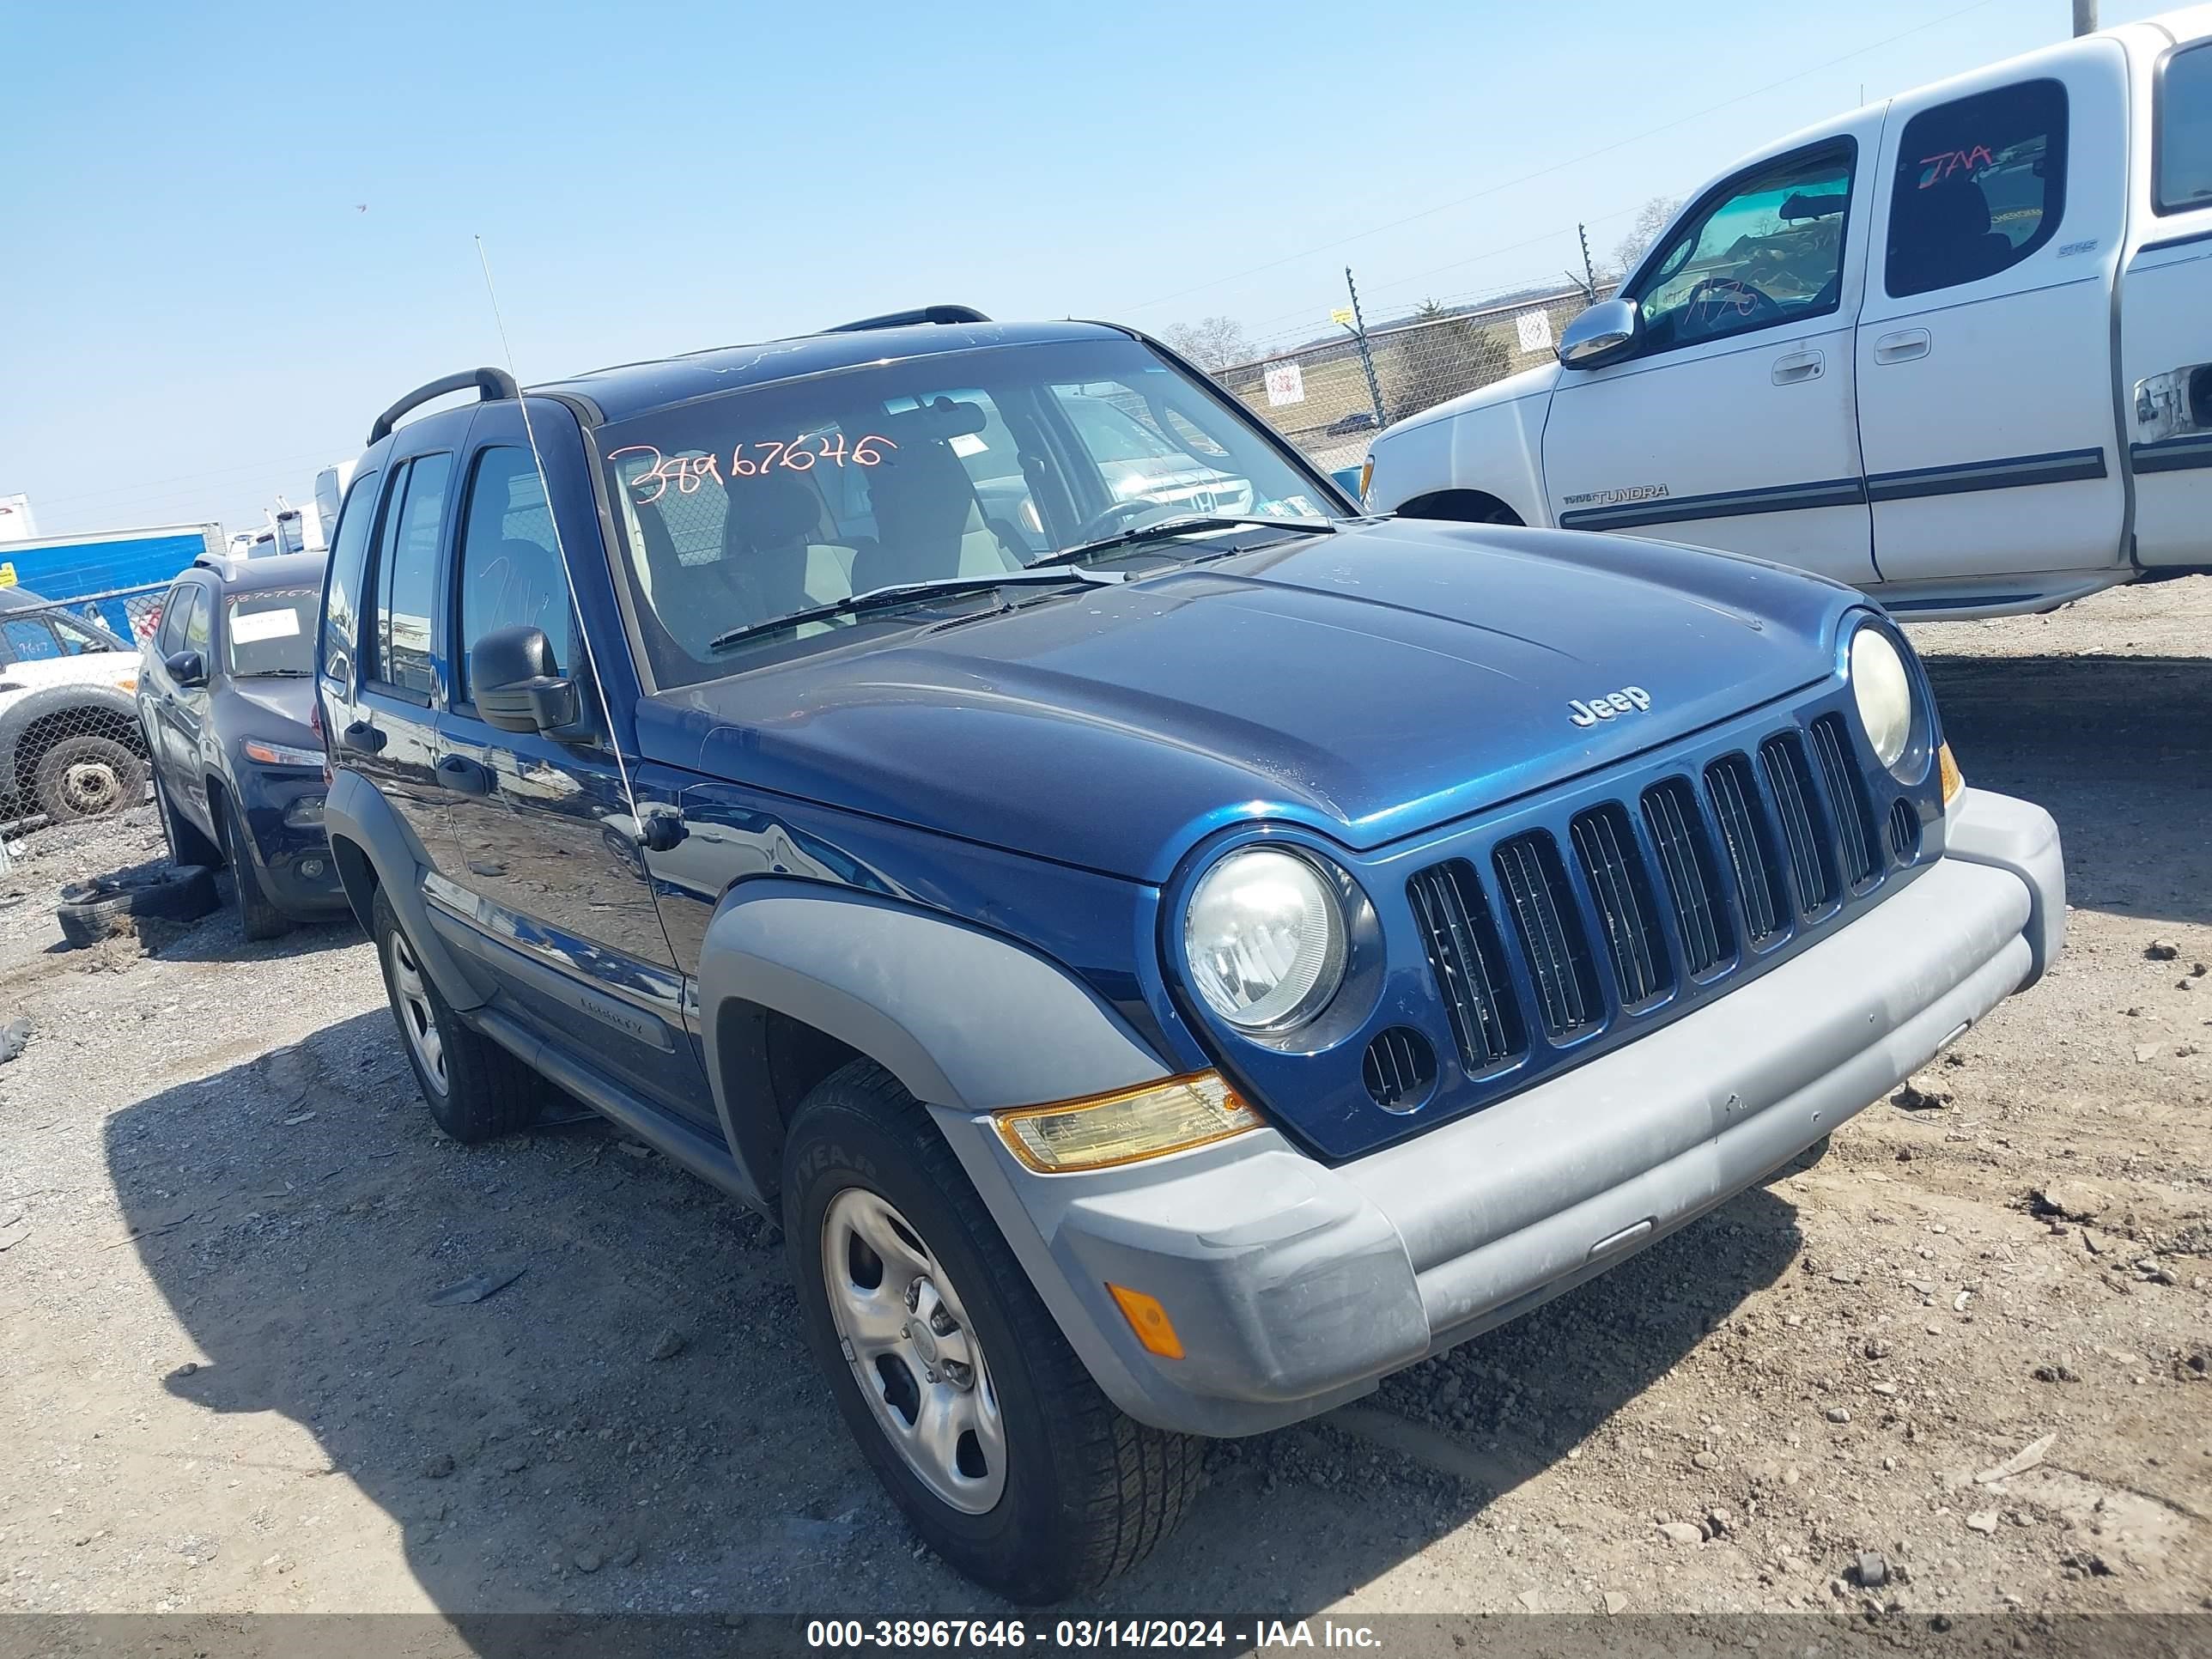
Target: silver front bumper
{"x":1295,"y":1286}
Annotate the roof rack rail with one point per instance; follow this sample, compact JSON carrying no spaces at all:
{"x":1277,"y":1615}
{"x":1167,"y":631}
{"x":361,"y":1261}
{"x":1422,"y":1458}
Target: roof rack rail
{"x":493,"y":383}
{"x":919,"y":314}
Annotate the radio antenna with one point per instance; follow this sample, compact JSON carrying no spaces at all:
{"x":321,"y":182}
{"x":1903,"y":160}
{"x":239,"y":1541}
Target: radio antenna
{"x":560,"y":550}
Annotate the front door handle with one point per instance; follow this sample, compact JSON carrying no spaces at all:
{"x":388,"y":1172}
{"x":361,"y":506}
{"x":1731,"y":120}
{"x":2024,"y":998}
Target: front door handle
{"x":362,"y":739}
{"x":1901,"y":347}
{"x":1798,"y":366}
{"x":464,"y":776}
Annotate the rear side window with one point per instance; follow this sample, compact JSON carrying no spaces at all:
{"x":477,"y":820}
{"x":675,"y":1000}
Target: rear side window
{"x":349,"y":559}
{"x":77,"y":642}
{"x":2184,"y":131}
{"x":510,"y":570}
{"x":1980,"y":185}
{"x":29,"y":640}
{"x":407,"y":576}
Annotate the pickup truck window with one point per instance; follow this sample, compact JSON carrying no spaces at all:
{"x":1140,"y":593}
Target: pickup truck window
{"x":1767,"y":248}
{"x":2184,"y":131}
{"x":1980,"y":185}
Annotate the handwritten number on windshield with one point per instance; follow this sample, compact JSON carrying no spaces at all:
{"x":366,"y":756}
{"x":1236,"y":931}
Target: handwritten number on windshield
{"x":688,"y":472}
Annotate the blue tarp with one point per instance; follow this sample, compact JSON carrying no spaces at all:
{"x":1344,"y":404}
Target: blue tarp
{"x":70,"y":568}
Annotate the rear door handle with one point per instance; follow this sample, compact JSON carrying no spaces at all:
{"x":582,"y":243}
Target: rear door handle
{"x":1901,"y":347}
{"x":362,"y":739}
{"x":464,"y":776}
{"x":1798,"y":366}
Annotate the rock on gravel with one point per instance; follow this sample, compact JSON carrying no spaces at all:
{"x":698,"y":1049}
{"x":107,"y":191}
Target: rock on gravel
{"x":1982,"y":1521}
{"x":1870,"y":1569}
{"x":669,"y":1343}
{"x":2077,"y":1201}
{"x":1682,"y":1532}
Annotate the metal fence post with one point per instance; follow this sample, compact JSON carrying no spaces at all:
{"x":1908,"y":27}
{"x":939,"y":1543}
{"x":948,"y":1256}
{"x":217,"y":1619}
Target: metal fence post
{"x":1366,"y":356}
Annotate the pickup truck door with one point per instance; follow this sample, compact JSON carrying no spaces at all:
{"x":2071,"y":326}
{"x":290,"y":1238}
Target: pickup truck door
{"x":1732,"y":424}
{"x":1985,"y":343}
{"x":2166,"y":324}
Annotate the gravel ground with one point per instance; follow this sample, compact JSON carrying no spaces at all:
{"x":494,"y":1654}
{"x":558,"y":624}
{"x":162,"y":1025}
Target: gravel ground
{"x":223,"y":1213}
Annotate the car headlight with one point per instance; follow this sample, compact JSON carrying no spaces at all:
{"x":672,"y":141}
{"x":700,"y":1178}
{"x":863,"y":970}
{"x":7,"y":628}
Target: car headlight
{"x":1884,"y":690}
{"x":1264,"y":936}
{"x":260,"y":749}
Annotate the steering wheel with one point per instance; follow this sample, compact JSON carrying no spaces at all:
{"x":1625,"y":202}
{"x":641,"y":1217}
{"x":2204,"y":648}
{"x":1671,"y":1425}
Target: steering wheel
{"x":1105,"y":524}
{"x":1722,"y":301}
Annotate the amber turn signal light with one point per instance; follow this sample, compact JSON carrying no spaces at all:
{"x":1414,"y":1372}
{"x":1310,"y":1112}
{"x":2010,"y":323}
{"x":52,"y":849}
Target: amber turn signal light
{"x":1952,"y":781}
{"x":1148,"y":1320}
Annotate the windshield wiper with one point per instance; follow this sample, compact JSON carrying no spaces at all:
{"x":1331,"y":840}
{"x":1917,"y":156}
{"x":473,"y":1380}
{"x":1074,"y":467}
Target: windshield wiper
{"x":1179,"y":526}
{"x":898,"y":594}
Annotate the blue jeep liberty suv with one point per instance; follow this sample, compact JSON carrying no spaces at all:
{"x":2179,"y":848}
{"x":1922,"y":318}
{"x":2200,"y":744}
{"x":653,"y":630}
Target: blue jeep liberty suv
{"x":1169,"y":949}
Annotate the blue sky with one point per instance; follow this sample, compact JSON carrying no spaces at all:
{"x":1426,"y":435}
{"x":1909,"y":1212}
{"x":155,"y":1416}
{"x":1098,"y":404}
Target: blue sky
{"x":196,"y":312}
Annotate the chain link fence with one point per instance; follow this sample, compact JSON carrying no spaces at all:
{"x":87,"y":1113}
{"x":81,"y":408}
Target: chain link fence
{"x":1330,"y":398}
{"x":71,"y":745}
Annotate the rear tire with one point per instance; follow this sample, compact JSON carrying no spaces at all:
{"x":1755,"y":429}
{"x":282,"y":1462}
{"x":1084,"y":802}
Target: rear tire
{"x":1081,"y":1491}
{"x":258,"y":919}
{"x":474,"y":1088}
{"x":88,"y":777}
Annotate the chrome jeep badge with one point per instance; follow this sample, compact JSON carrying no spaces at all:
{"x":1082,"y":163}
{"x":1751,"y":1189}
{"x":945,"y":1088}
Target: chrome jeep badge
{"x":1629,"y":700}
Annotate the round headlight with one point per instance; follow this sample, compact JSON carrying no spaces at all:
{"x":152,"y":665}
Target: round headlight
{"x":1884,"y":691}
{"x":1264,"y":937}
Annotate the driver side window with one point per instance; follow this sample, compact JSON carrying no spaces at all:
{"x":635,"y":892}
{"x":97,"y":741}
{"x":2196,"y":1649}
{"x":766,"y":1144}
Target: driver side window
{"x":1768,"y":249}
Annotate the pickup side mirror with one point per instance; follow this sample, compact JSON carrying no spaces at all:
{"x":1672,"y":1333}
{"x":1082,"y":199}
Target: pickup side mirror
{"x":518,"y":686}
{"x":1607,"y":332}
{"x":187,"y":667}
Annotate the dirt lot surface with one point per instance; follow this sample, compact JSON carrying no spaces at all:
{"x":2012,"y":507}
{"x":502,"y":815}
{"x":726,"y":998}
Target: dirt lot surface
{"x":225,"y":1385}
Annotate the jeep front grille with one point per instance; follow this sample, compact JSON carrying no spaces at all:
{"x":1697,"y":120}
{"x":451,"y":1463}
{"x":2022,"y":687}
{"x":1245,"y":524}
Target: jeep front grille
{"x":1635,"y":904}
{"x":1466,"y":960}
{"x":1784,"y":758}
{"x":1605,"y":842}
{"x":1549,"y":923}
{"x":1686,"y":859}
{"x":1846,"y":801}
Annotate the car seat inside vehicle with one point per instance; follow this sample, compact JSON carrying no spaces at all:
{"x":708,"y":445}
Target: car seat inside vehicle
{"x":1941,"y":235}
{"x":929,"y":524}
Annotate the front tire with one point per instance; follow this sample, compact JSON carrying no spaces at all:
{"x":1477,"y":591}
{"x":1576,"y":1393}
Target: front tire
{"x":982,"y":1425}
{"x":258,"y":919}
{"x":474,"y":1088}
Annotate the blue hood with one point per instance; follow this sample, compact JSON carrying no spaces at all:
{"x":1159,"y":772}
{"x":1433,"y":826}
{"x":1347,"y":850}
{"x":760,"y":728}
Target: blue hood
{"x":1368,"y":684}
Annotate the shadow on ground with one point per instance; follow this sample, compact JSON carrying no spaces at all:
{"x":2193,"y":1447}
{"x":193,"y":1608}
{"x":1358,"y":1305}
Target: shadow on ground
{"x":539,"y":1457}
{"x":2119,"y":748}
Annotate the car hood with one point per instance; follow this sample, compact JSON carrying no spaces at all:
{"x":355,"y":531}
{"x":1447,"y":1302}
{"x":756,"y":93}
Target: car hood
{"x":1367,"y":683}
{"x":275,"y":709}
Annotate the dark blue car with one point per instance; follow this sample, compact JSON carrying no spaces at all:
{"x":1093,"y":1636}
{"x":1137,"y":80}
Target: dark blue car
{"x":227,"y":706}
{"x":1163,"y":971}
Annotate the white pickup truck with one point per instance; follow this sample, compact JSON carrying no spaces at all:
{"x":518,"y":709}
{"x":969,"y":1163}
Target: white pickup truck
{"x":1955,"y":349}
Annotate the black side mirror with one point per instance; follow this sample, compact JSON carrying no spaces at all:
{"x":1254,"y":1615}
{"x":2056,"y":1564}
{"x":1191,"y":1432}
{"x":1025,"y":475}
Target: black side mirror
{"x":518,"y":687}
{"x":187,"y":667}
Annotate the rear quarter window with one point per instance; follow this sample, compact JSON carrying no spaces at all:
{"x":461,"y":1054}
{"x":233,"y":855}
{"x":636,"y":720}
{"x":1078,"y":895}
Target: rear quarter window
{"x":2183,"y":142}
{"x":1980,"y":185}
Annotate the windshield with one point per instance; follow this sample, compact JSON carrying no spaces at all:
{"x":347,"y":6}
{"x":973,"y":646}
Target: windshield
{"x":741,"y":508}
{"x":267,"y":632}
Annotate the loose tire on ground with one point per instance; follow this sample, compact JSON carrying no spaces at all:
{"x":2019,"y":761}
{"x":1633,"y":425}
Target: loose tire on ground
{"x":84,"y":777}
{"x":257,"y":917}
{"x":1087,"y":1491}
{"x":90,"y":911}
{"x":474,"y":1088}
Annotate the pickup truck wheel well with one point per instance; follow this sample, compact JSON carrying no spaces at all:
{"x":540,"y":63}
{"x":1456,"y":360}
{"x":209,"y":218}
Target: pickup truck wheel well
{"x":1459,"y":505}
